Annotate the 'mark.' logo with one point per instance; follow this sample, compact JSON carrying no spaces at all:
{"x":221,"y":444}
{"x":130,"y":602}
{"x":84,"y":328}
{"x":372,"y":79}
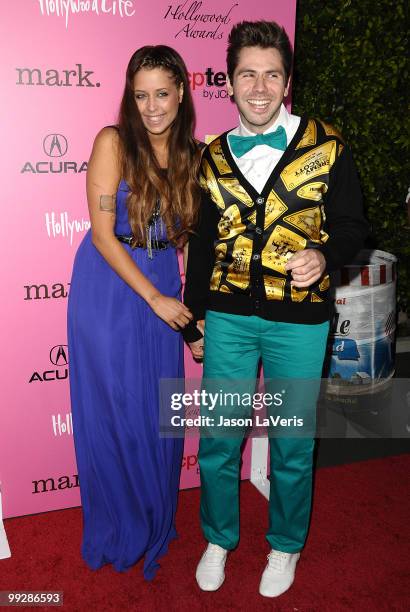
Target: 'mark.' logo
{"x":46,"y":292}
{"x":56,"y":78}
{"x":54,"y":146}
{"x":59,"y":358}
{"x":52,"y":483}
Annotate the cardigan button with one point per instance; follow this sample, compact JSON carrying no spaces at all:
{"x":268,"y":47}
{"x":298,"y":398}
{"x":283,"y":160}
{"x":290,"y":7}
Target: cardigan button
{"x":258,"y":230}
{"x":260,"y":201}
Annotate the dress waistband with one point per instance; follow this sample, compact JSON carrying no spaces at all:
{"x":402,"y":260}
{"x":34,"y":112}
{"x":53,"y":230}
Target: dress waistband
{"x":156,"y":245}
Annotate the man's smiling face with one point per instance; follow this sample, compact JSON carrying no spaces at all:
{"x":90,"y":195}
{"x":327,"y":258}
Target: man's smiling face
{"x":259,"y":87}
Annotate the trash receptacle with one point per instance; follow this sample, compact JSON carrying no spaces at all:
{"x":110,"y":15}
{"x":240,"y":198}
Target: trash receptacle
{"x":361,"y":349}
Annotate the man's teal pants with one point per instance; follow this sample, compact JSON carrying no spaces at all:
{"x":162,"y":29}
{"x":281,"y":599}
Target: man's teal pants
{"x":233,"y":346}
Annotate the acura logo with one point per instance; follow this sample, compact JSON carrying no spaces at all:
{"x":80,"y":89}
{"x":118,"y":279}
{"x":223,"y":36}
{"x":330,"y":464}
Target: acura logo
{"x":58,"y":355}
{"x":59,"y":358}
{"x":55,"y":145}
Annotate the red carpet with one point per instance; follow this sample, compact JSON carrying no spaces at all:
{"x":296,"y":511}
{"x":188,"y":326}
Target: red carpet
{"x":356,"y":558}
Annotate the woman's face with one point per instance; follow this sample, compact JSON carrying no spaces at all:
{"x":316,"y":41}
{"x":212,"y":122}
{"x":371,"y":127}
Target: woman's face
{"x":157,"y":98}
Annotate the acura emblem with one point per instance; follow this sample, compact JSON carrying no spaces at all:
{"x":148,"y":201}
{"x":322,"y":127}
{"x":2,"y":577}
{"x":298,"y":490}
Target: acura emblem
{"x":55,"y":145}
{"x":58,"y":355}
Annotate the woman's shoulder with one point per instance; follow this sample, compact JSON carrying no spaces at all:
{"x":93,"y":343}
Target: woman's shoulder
{"x":108,"y":134}
{"x":106,"y":156}
{"x":107,"y":142}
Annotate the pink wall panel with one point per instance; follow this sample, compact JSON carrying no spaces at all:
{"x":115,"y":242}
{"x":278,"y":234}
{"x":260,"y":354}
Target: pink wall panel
{"x":77,"y":62}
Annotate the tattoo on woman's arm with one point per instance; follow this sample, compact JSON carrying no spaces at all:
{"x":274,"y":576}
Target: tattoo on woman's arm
{"x":107,"y":203}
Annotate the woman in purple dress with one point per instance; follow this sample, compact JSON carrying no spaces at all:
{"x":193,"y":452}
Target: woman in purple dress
{"x":125,"y":314}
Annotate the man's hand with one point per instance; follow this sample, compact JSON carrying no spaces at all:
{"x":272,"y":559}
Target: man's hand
{"x":197,"y":347}
{"x":306,"y":266}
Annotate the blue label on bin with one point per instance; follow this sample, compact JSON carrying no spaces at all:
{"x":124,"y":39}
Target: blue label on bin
{"x":357,"y":362}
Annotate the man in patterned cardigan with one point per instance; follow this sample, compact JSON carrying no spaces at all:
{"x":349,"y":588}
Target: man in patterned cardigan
{"x":281,"y":208}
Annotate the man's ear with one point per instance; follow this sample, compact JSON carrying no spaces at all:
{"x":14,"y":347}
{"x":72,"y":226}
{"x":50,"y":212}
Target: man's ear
{"x":229,"y":86}
{"x":287,"y":88}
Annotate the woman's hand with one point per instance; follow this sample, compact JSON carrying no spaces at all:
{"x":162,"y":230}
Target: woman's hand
{"x":170,"y":310}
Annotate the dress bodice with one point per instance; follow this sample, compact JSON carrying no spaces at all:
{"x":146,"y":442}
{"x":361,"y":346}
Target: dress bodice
{"x":122,"y":225}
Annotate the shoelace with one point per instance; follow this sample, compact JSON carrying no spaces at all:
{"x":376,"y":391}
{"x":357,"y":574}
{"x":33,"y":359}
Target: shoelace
{"x":214,"y":555}
{"x":277,"y":559}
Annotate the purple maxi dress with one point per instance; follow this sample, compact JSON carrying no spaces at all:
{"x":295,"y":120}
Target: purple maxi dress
{"x":119,"y":350}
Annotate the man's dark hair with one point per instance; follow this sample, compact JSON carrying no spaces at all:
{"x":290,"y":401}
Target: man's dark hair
{"x":264,"y":34}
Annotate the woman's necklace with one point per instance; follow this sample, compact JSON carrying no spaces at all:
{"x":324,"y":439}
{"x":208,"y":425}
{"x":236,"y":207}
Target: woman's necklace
{"x":152,"y":229}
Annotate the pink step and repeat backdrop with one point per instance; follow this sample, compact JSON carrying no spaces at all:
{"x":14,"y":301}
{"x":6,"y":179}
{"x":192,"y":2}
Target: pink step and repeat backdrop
{"x":62,"y":73}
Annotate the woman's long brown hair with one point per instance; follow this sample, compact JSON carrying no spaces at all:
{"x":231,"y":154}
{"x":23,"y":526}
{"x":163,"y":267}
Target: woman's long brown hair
{"x":178,"y":190}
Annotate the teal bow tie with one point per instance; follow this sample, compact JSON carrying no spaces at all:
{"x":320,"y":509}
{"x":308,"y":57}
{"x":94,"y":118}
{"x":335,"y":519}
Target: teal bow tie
{"x":242,"y":144}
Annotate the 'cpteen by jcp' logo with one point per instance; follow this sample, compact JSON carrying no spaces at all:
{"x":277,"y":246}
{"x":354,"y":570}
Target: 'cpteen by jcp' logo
{"x":212,"y":83}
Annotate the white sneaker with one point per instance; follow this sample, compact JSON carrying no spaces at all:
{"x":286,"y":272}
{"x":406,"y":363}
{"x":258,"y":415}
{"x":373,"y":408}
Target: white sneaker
{"x":279,"y":574}
{"x":210,"y":572}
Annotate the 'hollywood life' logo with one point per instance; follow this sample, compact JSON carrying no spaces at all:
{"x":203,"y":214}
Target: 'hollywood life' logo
{"x":197,"y":21}
{"x":59,"y":358}
{"x":208,"y":80}
{"x":66,"y":8}
{"x":51,"y":77}
{"x":62,"y":424}
{"x":55,"y":146}
{"x":60,"y":225}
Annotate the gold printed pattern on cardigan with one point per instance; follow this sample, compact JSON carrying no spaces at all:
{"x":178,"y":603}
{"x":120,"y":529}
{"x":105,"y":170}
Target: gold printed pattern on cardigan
{"x":297,"y":294}
{"x":274,"y":208}
{"x":235,"y":188}
{"x":220,"y":254}
{"x":309,"y":138}
{"x":230,"y":224}
{"x":219,"y":158}
{"x":211,"y":185}
{"x":330,"y":130}
{"x":274,"y":287}
{"x":324,"y":285}
{"x":312,"y":191}
{"x":238,"y":271}
{"x":282,"y":244}
{"x":308,"y":221}
{"x":313,"y":163}
{"x":294,"y":216}
{"x":315,"y":298}
{"x":215,"y":278}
